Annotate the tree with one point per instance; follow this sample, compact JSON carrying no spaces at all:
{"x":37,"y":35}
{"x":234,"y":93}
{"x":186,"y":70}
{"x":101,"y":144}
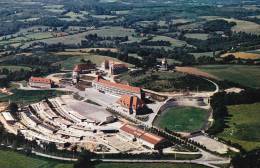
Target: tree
{"x":13,"y":107}
{"x":84,"y":160}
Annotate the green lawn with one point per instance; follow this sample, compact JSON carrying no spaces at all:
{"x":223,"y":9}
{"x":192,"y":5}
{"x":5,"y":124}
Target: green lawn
{"x":242,"y":74}
{"x":147,"y":165}
{"x":244,"y":126}
{"x":183,"y":119}
{"x":9,"y":159}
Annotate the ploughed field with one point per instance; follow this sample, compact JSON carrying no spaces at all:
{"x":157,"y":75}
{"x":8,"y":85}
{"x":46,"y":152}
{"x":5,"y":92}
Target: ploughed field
{"x":241,"y":74}
{"x":182,"y":119}
{"x":243,"y":126}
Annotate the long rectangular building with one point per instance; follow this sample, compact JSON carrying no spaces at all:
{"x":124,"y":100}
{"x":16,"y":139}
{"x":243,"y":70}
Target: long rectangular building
{"x":116,"y":88}
{"x":148,"y":139}
{"x":39,"y":82}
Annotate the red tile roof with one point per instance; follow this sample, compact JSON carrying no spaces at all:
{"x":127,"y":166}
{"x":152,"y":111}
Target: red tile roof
{"x":40,"y":80}
{"x":138,"y":133}
{"x":118,"y":85}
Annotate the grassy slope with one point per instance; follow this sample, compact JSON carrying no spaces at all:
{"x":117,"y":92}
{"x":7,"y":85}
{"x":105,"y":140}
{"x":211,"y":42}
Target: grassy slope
{"x":69,"y":63}
{"x":146,"y":165}
{"x":182,"y":119}
{"x":244,"y":126}
{"x":167,"y":81}
{"x":242,"y":74}
{"x":10,"y":159}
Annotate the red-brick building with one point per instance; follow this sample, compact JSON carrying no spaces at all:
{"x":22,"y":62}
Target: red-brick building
{"x":133,"y":103}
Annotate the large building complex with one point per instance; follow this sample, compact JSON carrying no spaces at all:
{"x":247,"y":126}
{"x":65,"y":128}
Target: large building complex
{"x":39,"y":82}
{"x":148,"y":139}
{"x":113,"y":67}
{"x":116,"y":88}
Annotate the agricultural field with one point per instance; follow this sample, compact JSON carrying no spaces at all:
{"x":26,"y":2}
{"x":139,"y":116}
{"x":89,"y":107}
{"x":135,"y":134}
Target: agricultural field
{"x":182,"y":119}
{"x":167,"y":81}
{"x":244,"y":55}
{"x":243,"y":126}
{"x":241,"y":25}
{"x":11,"y":159}
{"x":207,"y":54}
{"x":241,"y":74}
{"x":174,"y":42}
{"x":199,"y":36}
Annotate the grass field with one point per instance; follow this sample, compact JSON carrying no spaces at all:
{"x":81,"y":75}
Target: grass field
{"x":15,"y":68}
{"x":244,"y":126}
{"x":183,"y":119}
{"x":9,"y":159}
{"x":207,"y":54}
{"x":174,"y":42}
{"x":242,"y":74}
{"x":244,"y":55}
{"x":199,"y":36}
{"x":241,"y":25}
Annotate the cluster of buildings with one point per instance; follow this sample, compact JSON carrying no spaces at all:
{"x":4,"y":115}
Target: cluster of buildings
{"x":82,"y":69}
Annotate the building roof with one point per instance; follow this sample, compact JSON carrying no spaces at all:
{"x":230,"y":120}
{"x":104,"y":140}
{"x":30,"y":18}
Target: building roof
{"x":118,"y":85}
{"x":131,"y":102}
{"x":84,"y":67}
{"x":138,"y":133}
{"x":7,"y":116}
{"x":40,"y":80}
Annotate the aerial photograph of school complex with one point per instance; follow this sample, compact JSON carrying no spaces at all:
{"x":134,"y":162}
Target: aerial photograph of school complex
{"x":129,"y":84}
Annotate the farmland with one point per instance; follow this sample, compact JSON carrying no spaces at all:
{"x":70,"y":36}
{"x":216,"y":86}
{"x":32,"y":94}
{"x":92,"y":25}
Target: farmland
{"x":241,"y":74}
{"x":241,"y":25}
{"x":182,"y":119}
{"x":243,"y":126}
{"x":243,"y":55}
